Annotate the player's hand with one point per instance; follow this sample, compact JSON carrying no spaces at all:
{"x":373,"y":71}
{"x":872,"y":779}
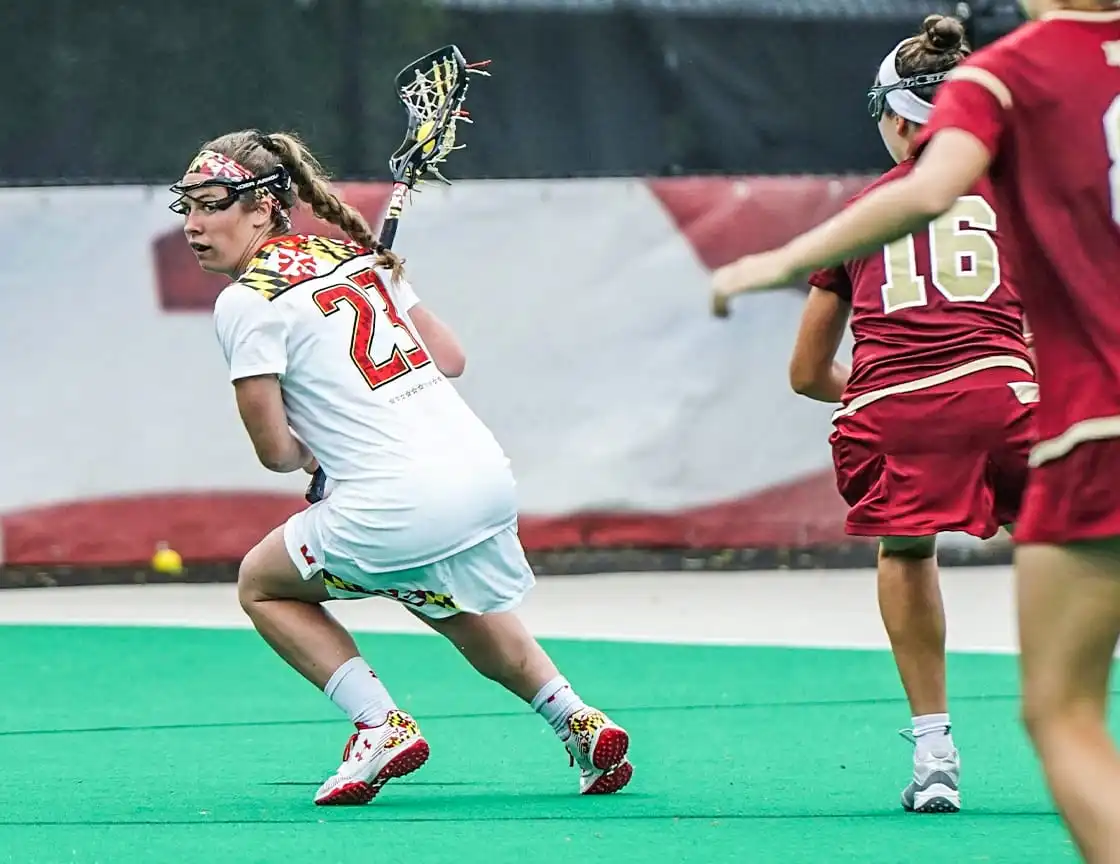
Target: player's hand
{"x":749,"y":273}
{"x":311,"y":466}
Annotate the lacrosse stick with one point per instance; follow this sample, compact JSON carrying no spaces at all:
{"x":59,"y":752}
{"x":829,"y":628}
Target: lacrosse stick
{"x":432,"y":90}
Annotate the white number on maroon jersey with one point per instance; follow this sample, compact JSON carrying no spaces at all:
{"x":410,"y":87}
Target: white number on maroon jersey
{"x":964,"y":259}
{"x":1112,"y":139}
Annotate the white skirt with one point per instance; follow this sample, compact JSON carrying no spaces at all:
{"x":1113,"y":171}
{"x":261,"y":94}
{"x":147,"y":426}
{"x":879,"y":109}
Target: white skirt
{"x":492,"y":575}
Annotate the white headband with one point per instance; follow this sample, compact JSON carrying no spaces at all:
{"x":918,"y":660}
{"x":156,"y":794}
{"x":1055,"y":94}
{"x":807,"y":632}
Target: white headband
{"x":905,"y":103}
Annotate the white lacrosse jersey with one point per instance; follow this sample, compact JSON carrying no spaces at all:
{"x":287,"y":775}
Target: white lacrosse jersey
{"x":417,"y":475}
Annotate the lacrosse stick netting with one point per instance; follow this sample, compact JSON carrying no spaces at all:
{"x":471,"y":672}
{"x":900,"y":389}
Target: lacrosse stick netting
{"x":433,"y":90}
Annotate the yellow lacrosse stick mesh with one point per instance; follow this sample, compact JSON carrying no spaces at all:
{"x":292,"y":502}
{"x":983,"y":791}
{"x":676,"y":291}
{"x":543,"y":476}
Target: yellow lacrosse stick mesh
{"x":433,"y":90}
{"x":422,"y":132}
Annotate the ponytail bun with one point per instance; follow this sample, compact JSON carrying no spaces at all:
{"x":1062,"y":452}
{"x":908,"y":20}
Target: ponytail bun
{"x":942,"y":35}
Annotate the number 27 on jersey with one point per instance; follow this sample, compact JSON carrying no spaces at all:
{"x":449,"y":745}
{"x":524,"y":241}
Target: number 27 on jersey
{"x":368,"y":298}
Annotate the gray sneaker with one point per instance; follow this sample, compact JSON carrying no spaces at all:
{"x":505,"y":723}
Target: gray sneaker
{"x":936,"y":784}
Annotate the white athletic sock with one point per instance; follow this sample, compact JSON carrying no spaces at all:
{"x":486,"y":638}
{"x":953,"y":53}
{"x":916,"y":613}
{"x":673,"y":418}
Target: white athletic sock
{"x":357,"y":690}
{"x":931,"y":734}
{"x":556,"y":701}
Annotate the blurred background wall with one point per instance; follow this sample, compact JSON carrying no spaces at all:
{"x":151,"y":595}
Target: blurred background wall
{"x":621,"y":150}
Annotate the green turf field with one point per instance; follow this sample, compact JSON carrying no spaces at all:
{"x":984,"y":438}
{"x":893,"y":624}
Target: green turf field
{"x":152,"y":745}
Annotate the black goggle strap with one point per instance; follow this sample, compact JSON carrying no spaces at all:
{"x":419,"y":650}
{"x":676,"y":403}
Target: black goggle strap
{"x":877,"y":95}
{"x":275,"y":181}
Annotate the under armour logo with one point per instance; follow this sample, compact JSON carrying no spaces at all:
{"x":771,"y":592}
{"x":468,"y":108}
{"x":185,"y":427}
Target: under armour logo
{"x":307,"y":556}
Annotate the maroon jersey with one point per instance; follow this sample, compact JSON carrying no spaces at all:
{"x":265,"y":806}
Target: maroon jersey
{"x":1045,"y":102}
{"x":936,"y":303}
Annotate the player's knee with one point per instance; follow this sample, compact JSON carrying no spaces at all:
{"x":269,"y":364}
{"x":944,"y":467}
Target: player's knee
{"x":249,"y":589}
{"x":1052,"y":712}
{"x":1044,"y":716}
{"x":252,"y":577}
{"x":1033,"y":720}
{"x":908,"y":547}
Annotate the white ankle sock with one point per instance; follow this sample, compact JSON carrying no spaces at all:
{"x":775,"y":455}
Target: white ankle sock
{"x":931,"y":734}
{"x":556,"y":701}
{"x":359,"y":692}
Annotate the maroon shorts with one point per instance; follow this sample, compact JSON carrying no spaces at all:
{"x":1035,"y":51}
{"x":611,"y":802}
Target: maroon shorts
{"x":1076,"y":497}
{"x":950,"y":458}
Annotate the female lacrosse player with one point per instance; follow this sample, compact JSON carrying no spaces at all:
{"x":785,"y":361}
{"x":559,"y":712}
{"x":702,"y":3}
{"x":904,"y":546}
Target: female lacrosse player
{"x":1039,"y":112}
{"x":334,"y":361}
{"x":933,"y":433}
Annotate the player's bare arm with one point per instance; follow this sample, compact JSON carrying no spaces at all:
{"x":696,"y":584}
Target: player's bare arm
{"x":440,"y":340}
{"x":813,"y":370}
{"x":261,"y":407}
{"x":947,"y":169}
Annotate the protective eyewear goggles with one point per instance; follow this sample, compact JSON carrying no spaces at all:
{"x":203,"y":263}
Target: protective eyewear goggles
{"x":275,"y":181}
{"x":877,"y":95}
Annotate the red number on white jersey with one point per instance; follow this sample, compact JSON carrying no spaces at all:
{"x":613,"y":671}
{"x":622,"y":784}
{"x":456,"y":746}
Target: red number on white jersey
{"x":367,"y":295}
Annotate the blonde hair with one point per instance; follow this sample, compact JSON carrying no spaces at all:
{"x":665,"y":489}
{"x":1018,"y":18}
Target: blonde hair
{"x":261,"y":153}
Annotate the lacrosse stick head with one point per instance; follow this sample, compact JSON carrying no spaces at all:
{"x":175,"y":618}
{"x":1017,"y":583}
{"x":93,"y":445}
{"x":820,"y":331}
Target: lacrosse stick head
{"x":433,"y":90}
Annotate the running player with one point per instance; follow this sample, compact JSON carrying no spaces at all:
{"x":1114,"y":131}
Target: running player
{"x":334,"y":360}
{"x":934,"y":431}
{"x":1039,"y":112}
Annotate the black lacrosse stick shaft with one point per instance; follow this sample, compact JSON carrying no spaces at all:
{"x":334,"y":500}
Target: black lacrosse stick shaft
{"x":317,"y":488}
{"x":408,"y":165}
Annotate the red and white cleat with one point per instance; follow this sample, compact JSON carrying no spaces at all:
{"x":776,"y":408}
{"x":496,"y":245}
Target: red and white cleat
{"x":374,"y":756}
{"x":599,"y":747}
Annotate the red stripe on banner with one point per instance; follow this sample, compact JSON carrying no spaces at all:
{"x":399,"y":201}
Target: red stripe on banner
{"x":223,"y":526}
{"x":184,"y":287}
{"x":727,"y":217}
{"x":805,"y":511}
{"x":204,"y":526}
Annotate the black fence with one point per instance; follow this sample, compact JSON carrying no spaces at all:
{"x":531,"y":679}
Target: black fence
{"x":125,"y":92}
